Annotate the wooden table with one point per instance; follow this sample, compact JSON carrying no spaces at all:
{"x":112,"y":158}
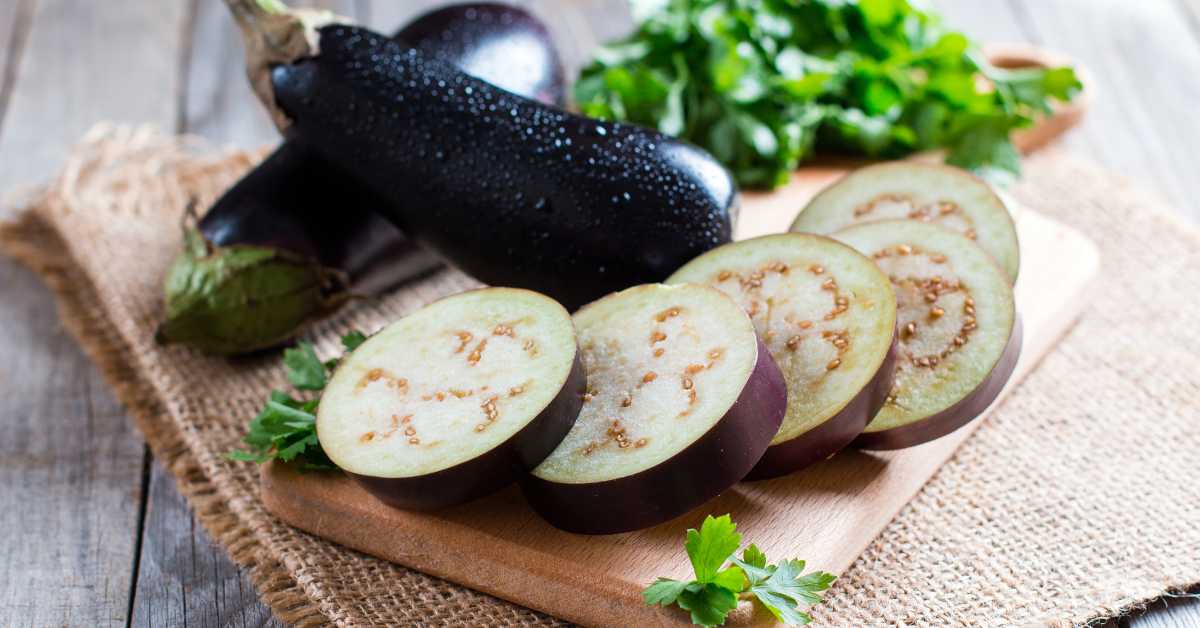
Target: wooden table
{"x":94,"y":531}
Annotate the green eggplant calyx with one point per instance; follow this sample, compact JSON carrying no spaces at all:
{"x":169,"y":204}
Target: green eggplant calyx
{"x":241,"y":298}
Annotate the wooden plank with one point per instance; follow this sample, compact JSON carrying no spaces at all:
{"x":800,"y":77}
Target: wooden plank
{"x":73,"y":463}
{"x":184,"y":579}
{"x":72,"y":472}
{"x":826,"y":514}
{"x":14,"y":23}
{"x":1169,"y":612}
{"x":85,"y":62}
{"x":217,"y":102}
{"x":1145,"y":55}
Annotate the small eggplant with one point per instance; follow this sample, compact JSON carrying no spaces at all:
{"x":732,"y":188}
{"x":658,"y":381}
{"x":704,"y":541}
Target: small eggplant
{"x":297,"y":236}
{"x":508,"y":189}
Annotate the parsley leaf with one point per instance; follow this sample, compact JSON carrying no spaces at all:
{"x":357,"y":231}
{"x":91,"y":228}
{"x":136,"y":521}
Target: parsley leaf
{"x":781,"y":588}
{"x":711,"y":546}
{"x":352,"y":339}
{"x":286,"y":428}
{"x":765,"y":84}
{"x":304,"y":370}
{"x":709,"y":603}
{"x":664,"y":591}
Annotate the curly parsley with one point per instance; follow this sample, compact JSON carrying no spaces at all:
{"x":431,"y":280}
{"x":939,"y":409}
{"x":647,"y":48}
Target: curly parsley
{"x":286,"y":428}
{"x":762,"y":84}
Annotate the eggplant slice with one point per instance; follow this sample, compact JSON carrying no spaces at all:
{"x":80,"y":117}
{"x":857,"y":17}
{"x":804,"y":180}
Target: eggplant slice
{"x":682,"y":401}
{"x":828,"y":316}
{"x":959,"y":332}
{"x":934,"y":193}
{"x":455,"y":400}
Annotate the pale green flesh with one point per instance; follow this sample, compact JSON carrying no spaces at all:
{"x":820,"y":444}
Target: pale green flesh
{"x":932,"y":193}
{"x":446,"y":383}
{"x":790,"y":283}
{"x":914,"y":254}
{"x":664,"y":365}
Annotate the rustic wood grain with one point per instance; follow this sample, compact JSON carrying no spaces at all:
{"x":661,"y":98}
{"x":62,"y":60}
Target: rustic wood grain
{"x":84,"y":62}
{"x":71,"y":472}
{"x":1174,"y":612}
{"x":73,"y":466}
{"x":1145,"y":54}
{"x":14,"y":25}
{"x":184,"y":579}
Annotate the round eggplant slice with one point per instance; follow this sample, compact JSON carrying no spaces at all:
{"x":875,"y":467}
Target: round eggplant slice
{"x":828,"y":316}
{"x":959,"y":335}
{"x":456,"y":400}
{"x":934,"y":193}
{"x":682,"y":401}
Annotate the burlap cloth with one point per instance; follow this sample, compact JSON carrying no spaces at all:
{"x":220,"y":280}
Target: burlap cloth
{"x":1077,"y":500}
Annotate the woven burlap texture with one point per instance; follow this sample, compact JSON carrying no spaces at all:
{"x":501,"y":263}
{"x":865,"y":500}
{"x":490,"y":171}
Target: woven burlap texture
{"x":1075,"y":501}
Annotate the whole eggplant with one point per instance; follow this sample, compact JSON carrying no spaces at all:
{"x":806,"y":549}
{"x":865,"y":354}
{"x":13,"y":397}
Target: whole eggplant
{"x":298,"y":235}
{"x":510,"y":190}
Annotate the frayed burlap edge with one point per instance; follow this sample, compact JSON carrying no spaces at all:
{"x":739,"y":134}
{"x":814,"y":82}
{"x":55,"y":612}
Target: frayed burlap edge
{"x":36,"y":246}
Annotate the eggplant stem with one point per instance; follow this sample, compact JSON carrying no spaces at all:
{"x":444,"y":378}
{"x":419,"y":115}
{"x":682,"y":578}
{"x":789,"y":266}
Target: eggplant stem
{"x":274,"y":35}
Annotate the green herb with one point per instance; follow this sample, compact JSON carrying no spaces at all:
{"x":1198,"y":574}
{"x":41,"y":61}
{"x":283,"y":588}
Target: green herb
{"x":286,"y":428}
{"x":781,"y":588}
{"x":762,"y":84}
{"x":304,"y":370}
{"x":352,"y":339}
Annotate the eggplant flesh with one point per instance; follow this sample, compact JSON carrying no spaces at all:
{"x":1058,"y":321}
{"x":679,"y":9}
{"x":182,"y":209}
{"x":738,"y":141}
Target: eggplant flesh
{"x":456,"y":400}
{"x":683,"y":399}
{"x":299,"y":219}
{"x":511,"y":191}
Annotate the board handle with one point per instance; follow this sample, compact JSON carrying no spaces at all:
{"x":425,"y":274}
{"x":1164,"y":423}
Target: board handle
{"x":1063,"y":116}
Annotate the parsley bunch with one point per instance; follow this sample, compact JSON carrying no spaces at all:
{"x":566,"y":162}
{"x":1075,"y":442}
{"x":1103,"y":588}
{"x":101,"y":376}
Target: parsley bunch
{"x":762,"y":84}
{"x":781,"y":588}
{"x":286,"y":428}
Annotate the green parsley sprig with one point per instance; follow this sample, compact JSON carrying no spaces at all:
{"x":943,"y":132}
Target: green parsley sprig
{"x":715,"y":591}
{"x":763,"y":84}
{"x":286,"y":428}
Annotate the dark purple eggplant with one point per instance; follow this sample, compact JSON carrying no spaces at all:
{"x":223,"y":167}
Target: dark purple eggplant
{"x":509,"y":190}
{"x":294,"y":238}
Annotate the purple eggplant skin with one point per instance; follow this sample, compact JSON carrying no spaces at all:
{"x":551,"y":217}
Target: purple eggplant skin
{"x":296,"y":201}
{"x":835,"y":433}
{"x":501,"y":44}
{"x":315,"y":215}
{"x":704,"y":469}
{"x":285,"y":202}
{"x":496,"y":468}
{"x":957,"y":415}
{"x":509,"y":190}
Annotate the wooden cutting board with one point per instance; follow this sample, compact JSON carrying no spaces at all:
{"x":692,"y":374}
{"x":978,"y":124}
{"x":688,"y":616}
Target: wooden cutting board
{"x":826,"y":514}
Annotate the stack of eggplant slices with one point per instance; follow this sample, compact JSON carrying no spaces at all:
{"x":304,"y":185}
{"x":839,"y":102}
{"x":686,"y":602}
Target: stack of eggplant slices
{"x":884,"y":319}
